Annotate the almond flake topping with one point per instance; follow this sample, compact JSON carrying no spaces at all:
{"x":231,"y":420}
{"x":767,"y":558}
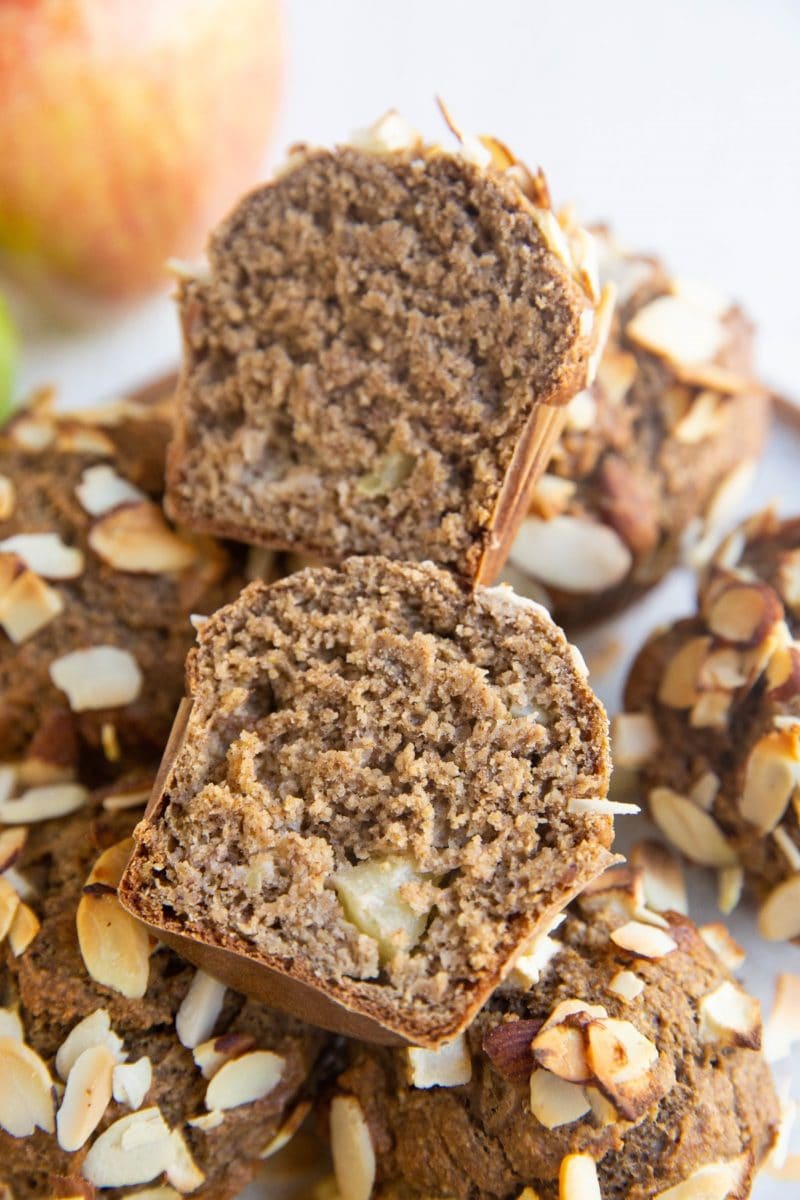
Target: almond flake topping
{"x":98,"y":677}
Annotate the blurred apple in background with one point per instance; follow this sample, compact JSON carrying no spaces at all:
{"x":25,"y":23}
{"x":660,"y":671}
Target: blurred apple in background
{"x":127,"y":128}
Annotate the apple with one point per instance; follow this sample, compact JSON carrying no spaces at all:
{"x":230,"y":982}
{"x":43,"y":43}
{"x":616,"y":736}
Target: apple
{"x":127,"y":128}
{"x":8,"y":360}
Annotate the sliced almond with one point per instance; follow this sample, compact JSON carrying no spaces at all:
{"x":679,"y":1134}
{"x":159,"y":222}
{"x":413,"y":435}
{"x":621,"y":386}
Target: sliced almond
{"x":136,"y":538}
{"x":130,"y":1082}
{"x":634,"y":739}
{"x":199,"y":1010}
{"x":32,"y":433}
{"x":678,"y":686}
{"x":711,"y":710}
{"x":24,"y":928}
{"x":83,"y":440}
{"x":101,"y":489}
{"x":722,"y":670}
{"x":115,"y":948}
{"x":245,"y":1079}
{"x":674,"y":328}
{"x":9,"y":903}
{"x":118,"y":801}
{"x":97,"y":677}
{"x":717,"y":937}
{"x":86,"y":1097}
{"x":11,"y":1025}
{"x":782,"y":1028}
{"x":181,"y":1169}
{"x":560,"y":1050}
{"x":207,"y":1121}
{"x":577,"y":1178}
{"x":571,"y":553}
{"x":530,"y":966}
{"x":771,"y":776}
{"x":627,"y":985}
{"x":94,"y":1030}
{"x":702,"y":420}
{"x":723,"y":1180}
{"x":552,"y":495}
{"x":788,"y":579}
{"x":616,"y":373}
{"x":646,"y":941}
{"x":8,"y":497}
{"x":352,"y":1149}
{"x":135,"y":1149}
{"x":209,"y":1056}
{"x":730,"y":882}
{"x":744,"y":612}
{"x":621,"y":1058}
{"x":287,"y":1131}
{"x":693,"y":831}
{"x":704,"y":790}
{"x":108,"y":868}
{"x":729,"y":1017}
{"x":390,"y":134}
{"x":662,"y":877}
{"x":603,"y":808}
{"x":555,"y":1102}
{"x":26,"y":1090}
{"x":581,"y":414}
{"x":45,"y":554}
{"x":573,"y":1007}
{"x":27,"y":605}
{"x":44,"y":803}
{"x":779,"y":915}
{"x":602,"y":1109}
{"x":449,"y":1066}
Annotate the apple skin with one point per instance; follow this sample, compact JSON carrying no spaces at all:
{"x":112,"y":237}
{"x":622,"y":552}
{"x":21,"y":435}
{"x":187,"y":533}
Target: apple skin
{"x":127,"y":128}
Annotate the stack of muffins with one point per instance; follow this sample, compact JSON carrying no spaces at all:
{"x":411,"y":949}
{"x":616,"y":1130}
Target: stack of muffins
{"x":372,"y":889}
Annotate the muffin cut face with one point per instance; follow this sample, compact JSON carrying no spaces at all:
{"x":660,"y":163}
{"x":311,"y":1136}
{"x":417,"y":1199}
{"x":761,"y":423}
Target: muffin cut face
{"x":376,"y":798}
{"x":371,"y":362}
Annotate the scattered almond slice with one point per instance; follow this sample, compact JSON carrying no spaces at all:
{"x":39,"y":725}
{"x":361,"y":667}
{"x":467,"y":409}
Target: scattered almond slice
{"x":678,"y":686}
{"x":30,"y":433}
{"x":620,"y":1058}
{"x":287,"y":1131}
{"x":101,"y":489}
{"x":9,"y":903}
{"x":771,"y":776}
{"x":207,"y":1121}
{"x":199,"y":1010}
{"x":533,"y":962}
{"x":730,"y":882}
{"x":662,"y":877}
{"x":45,"y":554}
{"x":714,"y":1181}
{"x":717,"y":937}
{"x":605,"y":808}
{"x":27,"y":605}
{"x":571,"y":553}
{"x":26,"y":1090}
{"x":779,"y":915}
{"x":94,"y":1030}
{"x":555,"y":1102}
{"x":704,"y":790}
{"x":209,"y":1056}
{"x":8,"y":497}
{"x":181,"y":1169}
{"x":692,"y":830}
{"x":676,"y":329}
{"x":577,"y":1178}
{"x":352,"y":1149}
{"x":11,"y":1025}
{"x":390,"y":134}
{"x":788,"y":848}
{"x":83,"y":440}
{"x":560,"y":1050}
{"x":86,"y":1097}
{"x":572,"y":1007}
{"x":136,"y":538}
{"x":97,"y":677}
{"x":782,"y":1028}
{"x":118,"y":801}
{"x":730,"y":1017}
{"x":115,"y":948}
{"x":135,"y":1149}
{"x":646,"y":941}
{"x":634,"y":739}
{"x":449,"y":1066}
{"x":44,"y":803}
{"x":131,"y":1082}
{"x":245,"y":1079}
{"x":24,"y":928}
{"x":627,"y":985}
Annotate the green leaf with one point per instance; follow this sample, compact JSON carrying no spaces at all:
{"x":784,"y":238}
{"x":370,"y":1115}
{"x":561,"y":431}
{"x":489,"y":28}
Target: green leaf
{"x":9,"y":349}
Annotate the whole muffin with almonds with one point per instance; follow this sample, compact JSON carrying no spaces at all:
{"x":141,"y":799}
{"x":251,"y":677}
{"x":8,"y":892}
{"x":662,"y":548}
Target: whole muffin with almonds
{"x":713,"y":722}
{"x":96,"y":588}
{"x":620,"y":1060}
{"x":120,"y":1065}
{"x":654,"y":455}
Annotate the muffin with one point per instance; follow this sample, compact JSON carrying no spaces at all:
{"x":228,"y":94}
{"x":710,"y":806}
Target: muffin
{"x":377,"y":358}
{"x":654,"y":455}
{"x":619,"y":1060}
{"x":120,"y":1065}
{"x":713,"y":722}
{"x":384,"y":784}
{"x":96,"y":590}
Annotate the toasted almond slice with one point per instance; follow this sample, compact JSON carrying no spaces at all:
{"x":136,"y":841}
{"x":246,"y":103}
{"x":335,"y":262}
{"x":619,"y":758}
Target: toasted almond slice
{"x":788,"y":579}
{"x":634,"y":739}
{"x":207,"y":1121}
{"x":118,"y":801}
{"x":86,"y":1097}
{"x":577,"y":1178}
{"x":32,"y":433}
{"x":94,"y":1030}
{"x":245,"y":1079}
{"x":571,"y":553}
{"x":135,"y":1149}
{"x":603,"y":808}
{"x":782,"y":1028}
{"x":729,"y":1017}
{"x":581,"y":414}
{"x":714,"y":1181}
{"x":703,"y":419}
{"x":646,"y":941}
{"x":136,"y":538}
{"x":616,"y":373}
{"x":10,"y":1024}
{"x":744,"y":612}
{"x":8,"y":497}
{"x":529,"y":967}
{"x":621,"y":1058}
{"x":102,"y":489}
{"x":24,"y":928}
{"x":130,"y":1082}
{"x":560,"y":1050}
{"x":675,"y":329}
{"x":771,"y":776}
{"x":388,"y":135}
{"x":779,"y":915}
{"x":717,"y":937}
{"x":26,"y":1090}
{"x":115,"y":948}
{"x":627,"y":985}
{"x":723,"y":670}
{"x":352,"y":1149}
{"x":730,"y":881}
{"x":199,"y":1010}
{"x":27,"y":605}
{"x":12,"y":843}
{"x":662,"y":877}
{"x":572,"y":1007}
{"x":83,"y":440}
{"x":108,"y":867}
{"x":181,"y":1169}
{"x":555,"y":1102}
{"x":704,"y":790}
{"x":449,"y":1066}
{"x":678,"y":686}
{"x":788,"y":848}
{"x":552,"y":494}
{"x":45,"y":554}
{"x":97,"y":677}
{"x":693,"y":831}
{"x":209,"y":1056}
{"x":9,"y":903}
{"x":44,"y":803}
{"x":711,"y":710}
{"x":287,"y":1131}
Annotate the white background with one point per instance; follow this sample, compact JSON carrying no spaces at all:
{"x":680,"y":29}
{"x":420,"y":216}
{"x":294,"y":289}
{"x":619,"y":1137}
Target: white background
{"x":678,"y":121}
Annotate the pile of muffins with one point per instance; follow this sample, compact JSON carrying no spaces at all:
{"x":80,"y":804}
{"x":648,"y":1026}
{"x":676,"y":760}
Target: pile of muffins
{"x":359,"y":879}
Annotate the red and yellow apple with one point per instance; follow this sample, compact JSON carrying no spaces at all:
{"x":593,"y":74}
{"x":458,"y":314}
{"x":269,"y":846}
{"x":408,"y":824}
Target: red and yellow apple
{"x":127,"y":128}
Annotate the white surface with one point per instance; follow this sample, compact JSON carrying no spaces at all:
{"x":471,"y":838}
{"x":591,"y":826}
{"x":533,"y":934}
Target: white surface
{"x":679,"y":122}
